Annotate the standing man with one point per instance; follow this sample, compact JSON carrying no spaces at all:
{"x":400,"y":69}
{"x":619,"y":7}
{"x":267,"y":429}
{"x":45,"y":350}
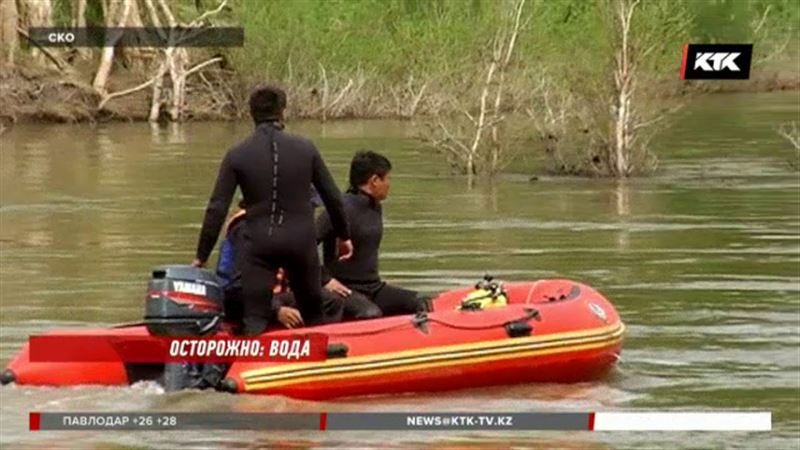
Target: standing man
{"x":274,"y":170}
{"x":369,"y":186}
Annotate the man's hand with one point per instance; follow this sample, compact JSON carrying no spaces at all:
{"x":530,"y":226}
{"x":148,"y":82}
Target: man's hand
{"x":336,"y":287}
{"x":290,"y":317}
{"x":198,"y":263}
{"x":345,"y":249}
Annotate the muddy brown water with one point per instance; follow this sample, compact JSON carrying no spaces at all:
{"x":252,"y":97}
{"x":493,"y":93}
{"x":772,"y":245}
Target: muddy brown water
{"x":702,"y":261}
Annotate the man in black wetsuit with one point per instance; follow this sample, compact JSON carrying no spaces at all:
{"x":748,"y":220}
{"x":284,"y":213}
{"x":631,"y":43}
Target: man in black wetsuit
{"x":284,"y":306}
{"x":274,"y":170}
{"x":229,"y":272}
{"x":369,"y":186}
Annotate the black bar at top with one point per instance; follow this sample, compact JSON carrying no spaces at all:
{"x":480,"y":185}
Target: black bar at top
{"x":138,"y":37}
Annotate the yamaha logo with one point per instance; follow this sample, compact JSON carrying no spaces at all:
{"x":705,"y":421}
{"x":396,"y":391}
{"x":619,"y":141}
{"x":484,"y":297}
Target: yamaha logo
{"x":189,"y":288}
{"x":598,"y":311}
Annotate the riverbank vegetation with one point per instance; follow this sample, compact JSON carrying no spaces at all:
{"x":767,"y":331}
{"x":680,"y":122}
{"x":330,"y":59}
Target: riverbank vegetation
{"x":585,"y":83}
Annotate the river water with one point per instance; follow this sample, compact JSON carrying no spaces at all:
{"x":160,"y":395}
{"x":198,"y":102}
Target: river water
{"x":702,"y":261}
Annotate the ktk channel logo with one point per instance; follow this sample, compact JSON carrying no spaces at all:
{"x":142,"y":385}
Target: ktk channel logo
{"x":716,"y":61}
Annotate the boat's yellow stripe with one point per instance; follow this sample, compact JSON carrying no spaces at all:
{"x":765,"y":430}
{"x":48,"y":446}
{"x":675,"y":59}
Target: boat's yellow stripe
{"x":511,"y":346}
{"x":512,"y":350}
{"x":431,"y":365}
{"x":476,"y":346}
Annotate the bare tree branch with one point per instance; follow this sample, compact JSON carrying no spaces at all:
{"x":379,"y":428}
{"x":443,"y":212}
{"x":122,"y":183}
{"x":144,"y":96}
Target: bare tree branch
{"x":202,"y":65}
{"x":209,"y":13}
{"x":108,"y":97}
{"x":762,"y":21}
{"x":151,"y":9}
{"x":149,"y":82}
{"x":790,"y":131}
{"x":56,"y":60}
{"x":168,"y":13}
{"x":341,"y":94}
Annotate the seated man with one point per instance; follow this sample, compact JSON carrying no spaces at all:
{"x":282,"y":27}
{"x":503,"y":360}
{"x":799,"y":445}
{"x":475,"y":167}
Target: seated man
{"x":369,"y":186}
{"x":336,"y":308}
{"x":227,"y":271}
{"x":284,"y":307}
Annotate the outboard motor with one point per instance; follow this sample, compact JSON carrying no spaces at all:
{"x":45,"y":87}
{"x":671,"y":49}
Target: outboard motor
{"x":183,"y":301}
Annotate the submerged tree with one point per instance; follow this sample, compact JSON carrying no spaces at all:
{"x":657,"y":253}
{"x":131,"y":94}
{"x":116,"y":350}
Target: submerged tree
{"x":600,"y":117}
{"x":791,"y":132}
{"x":472,"y":142}
{"x":624,"y":90}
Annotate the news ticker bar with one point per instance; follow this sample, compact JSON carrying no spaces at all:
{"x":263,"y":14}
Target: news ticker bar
{"x":597,"y":421}
{"x":137,"y":36}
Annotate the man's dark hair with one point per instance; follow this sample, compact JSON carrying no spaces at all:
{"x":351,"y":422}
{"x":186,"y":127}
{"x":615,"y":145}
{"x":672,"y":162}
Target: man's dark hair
{"x":365,"y":164}
{"x":267,"y":103}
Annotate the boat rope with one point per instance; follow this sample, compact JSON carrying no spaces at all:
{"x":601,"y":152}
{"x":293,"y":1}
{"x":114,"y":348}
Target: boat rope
{"x":530,"y":313}
{"x":369,"y":332}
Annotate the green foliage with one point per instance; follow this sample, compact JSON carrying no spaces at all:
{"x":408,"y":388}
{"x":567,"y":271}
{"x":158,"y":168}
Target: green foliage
{"x":393,"y":38}
{"x":769,"y":24}
{"x":396,"y":37}
{"x":62,"y":13}
{"x":721,"y":20}
{"x":288,"y":40}
{"x":94,"y":13}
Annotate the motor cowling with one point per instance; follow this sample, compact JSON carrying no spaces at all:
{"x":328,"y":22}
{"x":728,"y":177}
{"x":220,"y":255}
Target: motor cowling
{"x":183,"y":301}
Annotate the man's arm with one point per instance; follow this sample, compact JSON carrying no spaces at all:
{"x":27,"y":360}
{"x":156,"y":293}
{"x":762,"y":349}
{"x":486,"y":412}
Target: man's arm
{"x":216,"y":211}
{"x":326,"y":237}
{"x":331,"y":197}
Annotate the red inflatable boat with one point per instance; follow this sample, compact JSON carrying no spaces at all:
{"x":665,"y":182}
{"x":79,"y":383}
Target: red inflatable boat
{"x":545,"y":331}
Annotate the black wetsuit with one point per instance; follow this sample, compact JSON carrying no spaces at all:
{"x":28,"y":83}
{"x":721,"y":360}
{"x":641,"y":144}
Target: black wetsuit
{"x":274,"y":170}
{"x":360,"y":272}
